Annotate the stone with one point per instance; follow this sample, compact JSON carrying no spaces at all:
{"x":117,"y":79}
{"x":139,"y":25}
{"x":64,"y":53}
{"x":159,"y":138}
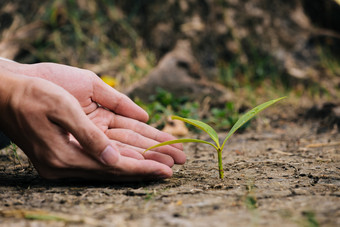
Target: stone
{"x":179,"y":73}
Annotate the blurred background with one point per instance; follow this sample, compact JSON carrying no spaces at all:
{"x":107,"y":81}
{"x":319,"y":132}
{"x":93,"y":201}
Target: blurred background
{"x":207,"y":59}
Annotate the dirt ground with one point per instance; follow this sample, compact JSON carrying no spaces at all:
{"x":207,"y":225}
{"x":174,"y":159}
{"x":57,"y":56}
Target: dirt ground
{"x":283,"y":173}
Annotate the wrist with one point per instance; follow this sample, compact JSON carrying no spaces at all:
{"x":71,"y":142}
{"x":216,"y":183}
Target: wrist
{"x":10,"y":83}
{"x":15,"y":67}
{"x":6,"y":85}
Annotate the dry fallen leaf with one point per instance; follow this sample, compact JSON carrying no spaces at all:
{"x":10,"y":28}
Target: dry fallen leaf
{"x":176,"y":128}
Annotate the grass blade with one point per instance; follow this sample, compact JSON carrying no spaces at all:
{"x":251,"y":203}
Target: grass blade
{"x":203,"y":126}
{"x":249,"y":115}
{"x":179,"y":141}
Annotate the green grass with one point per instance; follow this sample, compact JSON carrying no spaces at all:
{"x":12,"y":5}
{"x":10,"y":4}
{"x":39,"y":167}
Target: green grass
{"x":250,"y":199}
{"x":250,"y":202}
{"x":329,"y":61}
{"x":224,"y":118}
{"x":164,"y":104}
{"x":97,"y":35}
{"x":309,"y":219}
{"x":12,"y":148}
{"x":250,"y":66}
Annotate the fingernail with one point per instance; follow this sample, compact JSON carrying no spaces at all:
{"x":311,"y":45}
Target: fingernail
{"x":109,"y":156}
{"x":163,"y":175}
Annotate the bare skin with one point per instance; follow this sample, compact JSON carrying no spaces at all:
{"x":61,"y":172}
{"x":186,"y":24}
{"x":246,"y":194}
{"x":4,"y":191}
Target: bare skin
{"x":71,"y":124}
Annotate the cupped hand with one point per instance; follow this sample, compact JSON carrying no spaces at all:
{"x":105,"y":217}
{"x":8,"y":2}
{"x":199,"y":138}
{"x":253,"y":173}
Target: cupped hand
{"x":88,"y":88}
{"x":121,"y":119}
{"x":39,"y":116}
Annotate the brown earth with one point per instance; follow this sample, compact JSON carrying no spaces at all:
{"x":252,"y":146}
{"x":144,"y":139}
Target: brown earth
{"x":279,"y":173}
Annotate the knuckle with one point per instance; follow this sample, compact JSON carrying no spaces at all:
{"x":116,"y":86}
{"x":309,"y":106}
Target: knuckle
{"x":91,"y":76}
{"x":90,"y":73}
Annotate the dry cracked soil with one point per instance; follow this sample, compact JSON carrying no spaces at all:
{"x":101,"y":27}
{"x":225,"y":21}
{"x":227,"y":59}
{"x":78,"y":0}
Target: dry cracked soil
{"x":283,"y":174}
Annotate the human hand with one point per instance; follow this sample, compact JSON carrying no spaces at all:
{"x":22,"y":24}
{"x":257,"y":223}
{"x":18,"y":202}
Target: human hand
{"x":39,"y":116}
{"x":132,"y":137}
{"x":83,"y":84}
{"x":123,"y":123}
{"x":128,"y":118}
{"x":88,"y":88}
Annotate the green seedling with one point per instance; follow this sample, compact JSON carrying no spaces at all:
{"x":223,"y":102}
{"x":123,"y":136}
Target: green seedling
{"x":213,"y":134}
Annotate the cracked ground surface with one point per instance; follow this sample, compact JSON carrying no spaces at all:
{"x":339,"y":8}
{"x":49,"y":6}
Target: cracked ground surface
{"x":283,"y":175}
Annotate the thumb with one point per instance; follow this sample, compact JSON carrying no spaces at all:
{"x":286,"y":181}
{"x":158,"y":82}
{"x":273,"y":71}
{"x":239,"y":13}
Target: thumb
{"x":109,"y":156}
{"x":92,"y":140}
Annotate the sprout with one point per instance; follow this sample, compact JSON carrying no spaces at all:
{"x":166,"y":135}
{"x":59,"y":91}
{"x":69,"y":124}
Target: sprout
{"x":213,"y":134}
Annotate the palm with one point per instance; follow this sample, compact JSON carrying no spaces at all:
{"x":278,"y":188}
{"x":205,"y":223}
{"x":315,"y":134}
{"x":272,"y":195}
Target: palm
{"x":133,"y":137}
{"x":121,"y":119}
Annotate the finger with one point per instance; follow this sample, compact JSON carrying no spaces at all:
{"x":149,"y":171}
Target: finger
{"x":127,"y":150}
{"x":125,"y":169}
{"x":159,"y":157}
{"x":117,"y":102}
{"x":112,"y":120}
{"x":132,"y":138}
{"x":118,"y":121}
{"x":61,"y":154}
{"x":128,"y":170}
{"x":89,"y":107}
{"x":101,"y":115}
{"x":136,"y":169}
{"x":71,"y":117}
{"x":132,"y":151}
{"x":78,"y":164}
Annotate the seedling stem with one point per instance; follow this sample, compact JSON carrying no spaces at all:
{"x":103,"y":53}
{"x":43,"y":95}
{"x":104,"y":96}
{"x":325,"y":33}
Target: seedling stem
{"x":220,"y":165}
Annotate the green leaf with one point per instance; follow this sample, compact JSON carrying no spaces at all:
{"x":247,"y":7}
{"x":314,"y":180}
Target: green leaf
{"x":180,"y":141}
{"x":199,"y":124}
{"x":249,"y":115}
